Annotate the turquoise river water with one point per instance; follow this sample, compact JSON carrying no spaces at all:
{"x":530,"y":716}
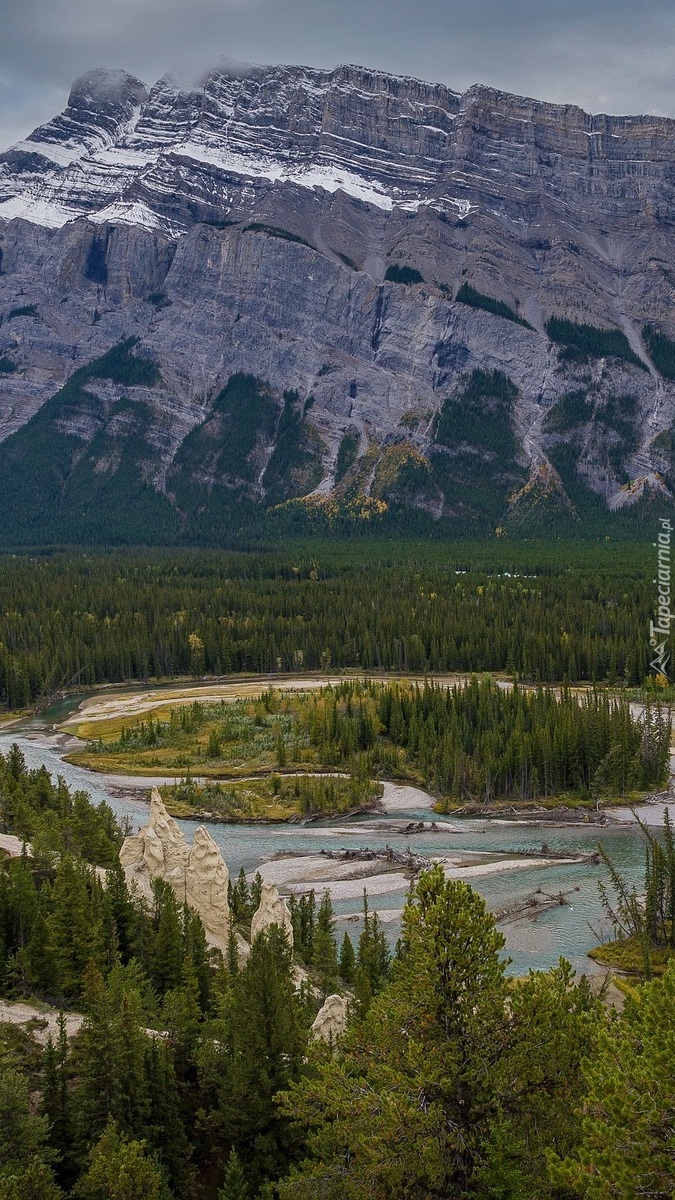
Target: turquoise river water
{"x":569,"y":930}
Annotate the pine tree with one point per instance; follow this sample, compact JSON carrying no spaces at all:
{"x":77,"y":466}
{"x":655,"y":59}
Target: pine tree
{"x":57,"y":1105}
{"x":234,"y":1186}
{"x":164,"y":1129}
{"x":347,"y":960}
{"x":167,"y":944}
{"x":120,"y":1170}
{"x":470,"y":1081}
{"x":324,"y":952}
{"x":269,"y":1039}
{"x":25,"y":1154}
{"x":623,"y":1148}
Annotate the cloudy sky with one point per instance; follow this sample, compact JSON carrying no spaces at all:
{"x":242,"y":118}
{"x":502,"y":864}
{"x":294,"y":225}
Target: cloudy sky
{"x":611,"y":56}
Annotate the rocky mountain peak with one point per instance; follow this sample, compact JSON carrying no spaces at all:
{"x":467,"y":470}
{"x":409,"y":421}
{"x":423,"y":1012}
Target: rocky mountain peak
{"x":102,"y":107}
{"x":285,"y":285}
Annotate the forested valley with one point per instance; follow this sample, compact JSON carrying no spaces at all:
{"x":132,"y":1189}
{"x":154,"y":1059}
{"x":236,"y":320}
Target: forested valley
{"x":72,"y":620}
{"x":156,"y":1067}
{"x":192,"y":1075}
{"x":474,"y":741}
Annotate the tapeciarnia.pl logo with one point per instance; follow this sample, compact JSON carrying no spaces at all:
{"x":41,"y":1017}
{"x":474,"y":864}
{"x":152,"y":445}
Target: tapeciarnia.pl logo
{"x":659,"y":629}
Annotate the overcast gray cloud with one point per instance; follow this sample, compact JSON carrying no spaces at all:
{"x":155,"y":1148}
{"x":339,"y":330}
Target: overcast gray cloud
{"x":612,"y":56}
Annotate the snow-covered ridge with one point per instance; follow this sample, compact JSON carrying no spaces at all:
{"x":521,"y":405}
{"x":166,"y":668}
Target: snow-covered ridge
{"x":172,"y":155}
{"x":380,"y":139}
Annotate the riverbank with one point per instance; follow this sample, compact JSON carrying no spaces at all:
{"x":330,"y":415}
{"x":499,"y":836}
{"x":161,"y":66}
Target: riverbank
{"x":409,"y":822}
{"x":237,"y":732}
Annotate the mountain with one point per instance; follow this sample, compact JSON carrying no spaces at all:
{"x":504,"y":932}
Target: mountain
{"x":336,"y":296}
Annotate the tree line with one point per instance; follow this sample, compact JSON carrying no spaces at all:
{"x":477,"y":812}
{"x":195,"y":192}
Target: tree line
{"x":73,"y":620}
{"x":475,"y":741}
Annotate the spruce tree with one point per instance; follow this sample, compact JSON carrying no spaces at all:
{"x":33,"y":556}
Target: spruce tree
{"x":347,"y":960}
{"x":269,"y":1039}
{"x":120,"y":1170}
{"x":234,"y":1186}
{"x":324,"y":953}
{"x":167,"y":943}
{"x":57,"y":1106}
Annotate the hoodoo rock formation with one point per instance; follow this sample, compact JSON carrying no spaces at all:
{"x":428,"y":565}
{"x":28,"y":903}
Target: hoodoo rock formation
{"x":198,"y":874}
{"x":272,"y":910}
{"x":331,"y":1019}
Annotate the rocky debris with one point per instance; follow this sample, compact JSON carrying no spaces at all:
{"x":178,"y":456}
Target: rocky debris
{"x":198,"y":874}
{"x":659,"y":798}
{"x":531,"y":906}
{"x":331,"y":1020}
{"x":566,"y":854}
{"x":13,"y":846}
{"x":399,"y":858}
{"x":272,"y":910}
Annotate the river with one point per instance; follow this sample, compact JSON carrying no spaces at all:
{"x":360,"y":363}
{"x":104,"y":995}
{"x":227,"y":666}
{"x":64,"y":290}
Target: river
{"x":569,"y":930}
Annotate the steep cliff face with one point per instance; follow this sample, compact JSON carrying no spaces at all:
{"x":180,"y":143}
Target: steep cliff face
{"x":347,"y":286}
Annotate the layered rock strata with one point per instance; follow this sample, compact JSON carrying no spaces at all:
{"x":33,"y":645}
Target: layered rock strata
{"x":331,"y":234}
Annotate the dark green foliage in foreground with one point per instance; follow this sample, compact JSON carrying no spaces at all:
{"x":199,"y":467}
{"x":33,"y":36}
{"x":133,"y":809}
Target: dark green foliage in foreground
{"x":472,"y":1100}
{"x":125,"y":1115}
{"x":475,"y":299}
{"x":488,"y":1088}
{"x":661,"y":350}
{"x":401,"y":274}
{"x":623,"y":1149}
{"x":541,"y":611}
{"x":51,"y":817}
{"x":581,"y":340}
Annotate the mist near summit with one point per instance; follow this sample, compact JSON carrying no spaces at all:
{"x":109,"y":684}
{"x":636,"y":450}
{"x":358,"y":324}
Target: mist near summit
{"x":612,"y":57}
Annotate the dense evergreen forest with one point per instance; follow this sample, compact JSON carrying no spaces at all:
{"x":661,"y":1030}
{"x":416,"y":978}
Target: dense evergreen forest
{"x":545,"y":613}
{"x":194,"y":1077}
{"x":475,"y":741}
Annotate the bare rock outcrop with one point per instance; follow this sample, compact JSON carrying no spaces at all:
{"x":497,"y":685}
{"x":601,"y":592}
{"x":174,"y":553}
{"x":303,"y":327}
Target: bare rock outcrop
{"x":331,"y":1020}
{"x":206,"y":881}
{"x":198,"y":874}
{"x":272,"y":910}
{"x":373,"y":241}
